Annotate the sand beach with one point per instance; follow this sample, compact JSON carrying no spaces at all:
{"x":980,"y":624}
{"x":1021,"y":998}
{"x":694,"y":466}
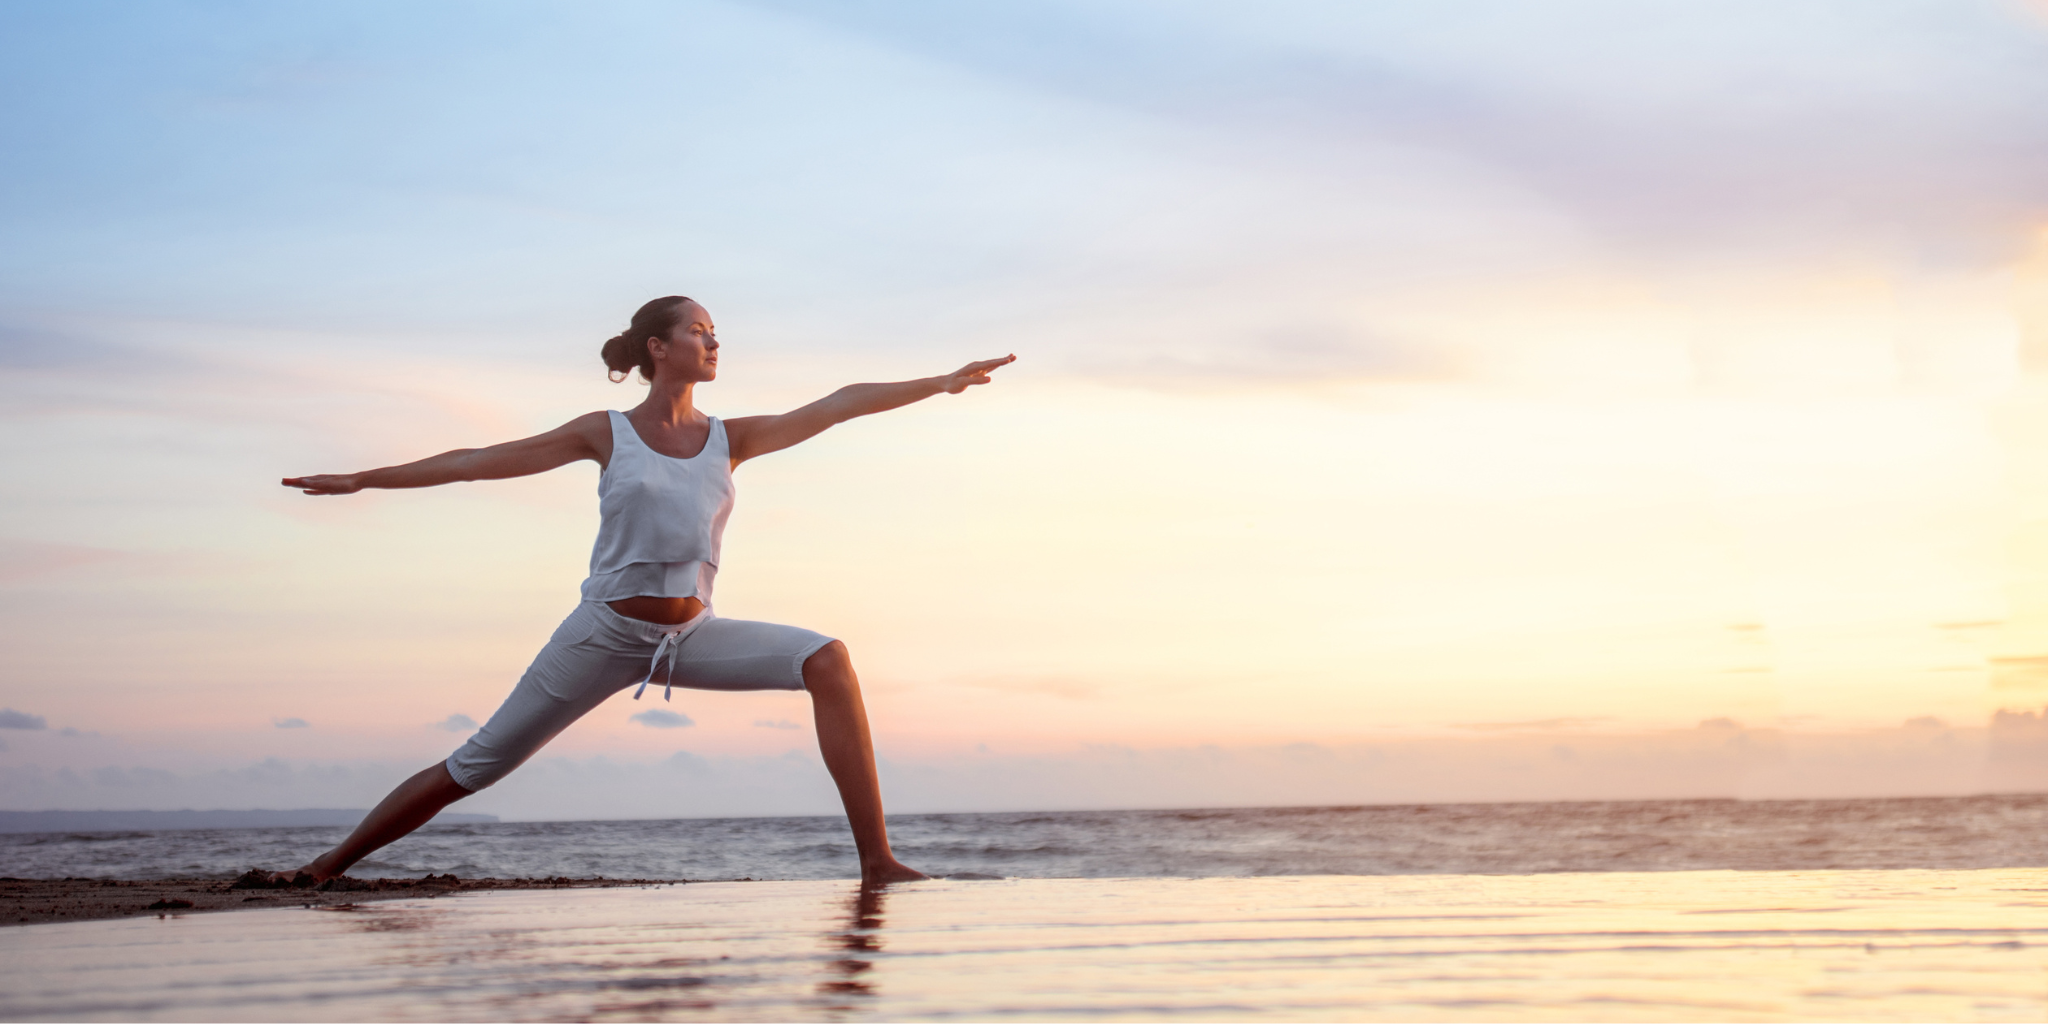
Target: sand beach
{"x":1689,"y":945}
{"x":28,"y":901}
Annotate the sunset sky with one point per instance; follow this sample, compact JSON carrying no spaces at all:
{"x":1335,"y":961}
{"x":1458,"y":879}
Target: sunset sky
{"x":1437,"y":378}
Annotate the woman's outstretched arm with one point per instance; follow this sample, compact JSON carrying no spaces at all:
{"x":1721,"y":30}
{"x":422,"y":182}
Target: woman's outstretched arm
{"x":585,"y":437}
{"x":759,"y":435}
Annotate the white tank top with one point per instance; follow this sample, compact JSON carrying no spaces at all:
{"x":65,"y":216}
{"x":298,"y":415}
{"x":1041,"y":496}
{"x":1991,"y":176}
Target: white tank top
{"x":660,"y":519}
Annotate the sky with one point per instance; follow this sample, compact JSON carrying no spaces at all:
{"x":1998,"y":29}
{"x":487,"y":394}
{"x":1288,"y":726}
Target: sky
{"x":1415,"y":401}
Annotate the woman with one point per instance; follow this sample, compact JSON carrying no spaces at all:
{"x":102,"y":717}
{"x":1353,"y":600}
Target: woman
{"x":664,"y":493}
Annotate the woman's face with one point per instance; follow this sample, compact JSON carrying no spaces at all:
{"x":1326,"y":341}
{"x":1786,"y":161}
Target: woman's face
{"x":690,"y":353}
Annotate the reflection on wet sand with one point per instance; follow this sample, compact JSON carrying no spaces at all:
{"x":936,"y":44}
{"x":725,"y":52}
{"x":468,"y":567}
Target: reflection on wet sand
{"x":372,"y":917}
{"x":861,"y":938}
{"x":1857,"y":945}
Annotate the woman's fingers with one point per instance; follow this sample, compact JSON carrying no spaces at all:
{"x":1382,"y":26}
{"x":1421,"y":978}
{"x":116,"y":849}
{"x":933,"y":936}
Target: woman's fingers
{"x":976,"y":373}
{"x":980,"y":368}
{"x":319,"y":484}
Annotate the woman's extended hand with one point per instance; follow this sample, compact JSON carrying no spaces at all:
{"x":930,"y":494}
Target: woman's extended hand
{"x":973,"y":373}
{"x":753,"y":436}
{"x":326,"y":483}
{"x":577,"y":439}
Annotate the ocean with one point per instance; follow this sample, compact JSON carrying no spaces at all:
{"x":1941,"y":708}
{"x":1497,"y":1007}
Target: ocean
{"x":1996,"y":831}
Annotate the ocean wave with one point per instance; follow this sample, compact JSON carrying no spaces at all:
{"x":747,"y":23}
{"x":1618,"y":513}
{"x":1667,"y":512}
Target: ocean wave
{"x":1938,"y":833}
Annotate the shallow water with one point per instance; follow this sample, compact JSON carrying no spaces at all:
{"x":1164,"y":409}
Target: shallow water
{"x":1661,"y":835}
{"x":1863,"y":945}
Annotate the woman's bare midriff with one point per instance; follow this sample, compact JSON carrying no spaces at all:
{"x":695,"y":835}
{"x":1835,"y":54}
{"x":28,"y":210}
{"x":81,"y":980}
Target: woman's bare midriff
{"x":668,"y":611}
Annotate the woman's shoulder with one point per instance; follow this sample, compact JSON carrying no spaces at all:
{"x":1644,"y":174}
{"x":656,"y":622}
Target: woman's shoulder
{"x":595,"y":430}
{"x":592,"y":422}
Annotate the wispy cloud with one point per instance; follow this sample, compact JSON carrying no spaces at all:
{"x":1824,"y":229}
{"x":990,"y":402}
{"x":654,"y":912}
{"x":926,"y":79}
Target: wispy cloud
{"x":775,"y":723}
{"x":657,"y":718}
{"x":12,"y":719}
{"x":1303,"y":353}
{"x":1534,"y":725}
{"x":21,"y":560}
{"x":1915,"y":758}
{"x":1742,"y":124}
{"x":1057,"y":686}
{"x":291,"y":723}
{"x":456,"y":723}
{"x":2020,"y":672}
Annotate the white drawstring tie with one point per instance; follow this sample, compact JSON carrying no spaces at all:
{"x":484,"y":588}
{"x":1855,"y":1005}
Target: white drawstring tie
{"x":672,"y":643}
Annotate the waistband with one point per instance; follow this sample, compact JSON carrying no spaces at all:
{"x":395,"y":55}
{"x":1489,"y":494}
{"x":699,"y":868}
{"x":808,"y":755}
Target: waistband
{"x":667,"y":639}
{"x":642,"y":630}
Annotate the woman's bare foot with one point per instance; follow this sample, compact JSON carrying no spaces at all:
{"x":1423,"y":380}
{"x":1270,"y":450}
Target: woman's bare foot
{"x":299,"y":878}
{"x":257,"y":878}
{"x":891,"y":871}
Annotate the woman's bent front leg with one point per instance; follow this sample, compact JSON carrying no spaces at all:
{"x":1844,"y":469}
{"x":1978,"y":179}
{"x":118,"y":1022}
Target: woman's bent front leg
{"x":568,"y":678}
{"x":850,"y":757}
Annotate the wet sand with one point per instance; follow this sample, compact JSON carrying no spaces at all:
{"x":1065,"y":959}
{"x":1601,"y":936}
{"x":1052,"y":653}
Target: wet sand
{"x":48,"y":901}
{"x":1706,"y":945}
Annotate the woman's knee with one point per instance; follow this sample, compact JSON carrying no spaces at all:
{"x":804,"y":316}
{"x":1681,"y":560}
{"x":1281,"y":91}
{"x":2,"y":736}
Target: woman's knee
{"x":830,"y":666}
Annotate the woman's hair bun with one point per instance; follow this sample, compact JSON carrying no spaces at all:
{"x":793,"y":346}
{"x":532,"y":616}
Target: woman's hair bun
{"x":617,"y":360}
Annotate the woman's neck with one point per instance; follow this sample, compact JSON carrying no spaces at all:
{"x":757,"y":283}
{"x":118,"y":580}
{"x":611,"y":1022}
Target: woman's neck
{"x":669,"y":406}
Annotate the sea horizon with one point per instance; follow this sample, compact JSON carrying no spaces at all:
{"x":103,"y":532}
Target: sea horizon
{"x":8,"y":818}
{"x":1523,"y":837}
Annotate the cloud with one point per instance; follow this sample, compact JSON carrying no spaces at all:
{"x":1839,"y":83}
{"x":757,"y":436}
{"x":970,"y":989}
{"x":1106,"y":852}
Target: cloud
{"x":116,"y":777}
{"x":18,"y":560}
{"x":1719,"y":761}
{"x":456,"y":723}
{"x":1191,"y":354}
{"x":12,"y":719}
{"x":656,"y":718}
{"x":21,"y":347}
{"x":30,"y":346}
{"x":1734,"y":121}
{"x":1056,"y":686}
{"x":1535,"y":724}
{"x":775,"y":723}
{"x":2020,"y":672}
{"x":291,"y":723}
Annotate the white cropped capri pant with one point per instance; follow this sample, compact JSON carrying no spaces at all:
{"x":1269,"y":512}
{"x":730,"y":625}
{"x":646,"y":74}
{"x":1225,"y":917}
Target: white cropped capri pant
{"x":596,"y":652}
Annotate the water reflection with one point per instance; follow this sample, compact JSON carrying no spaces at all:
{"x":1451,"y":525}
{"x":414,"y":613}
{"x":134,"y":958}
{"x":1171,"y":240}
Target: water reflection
{"x":1891,"y":945}
{"x":374,"y":918}
{"x":859,"y":940}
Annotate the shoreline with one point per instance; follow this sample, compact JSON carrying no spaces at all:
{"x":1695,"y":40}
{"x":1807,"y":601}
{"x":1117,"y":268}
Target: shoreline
{"x":32,"y":901}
